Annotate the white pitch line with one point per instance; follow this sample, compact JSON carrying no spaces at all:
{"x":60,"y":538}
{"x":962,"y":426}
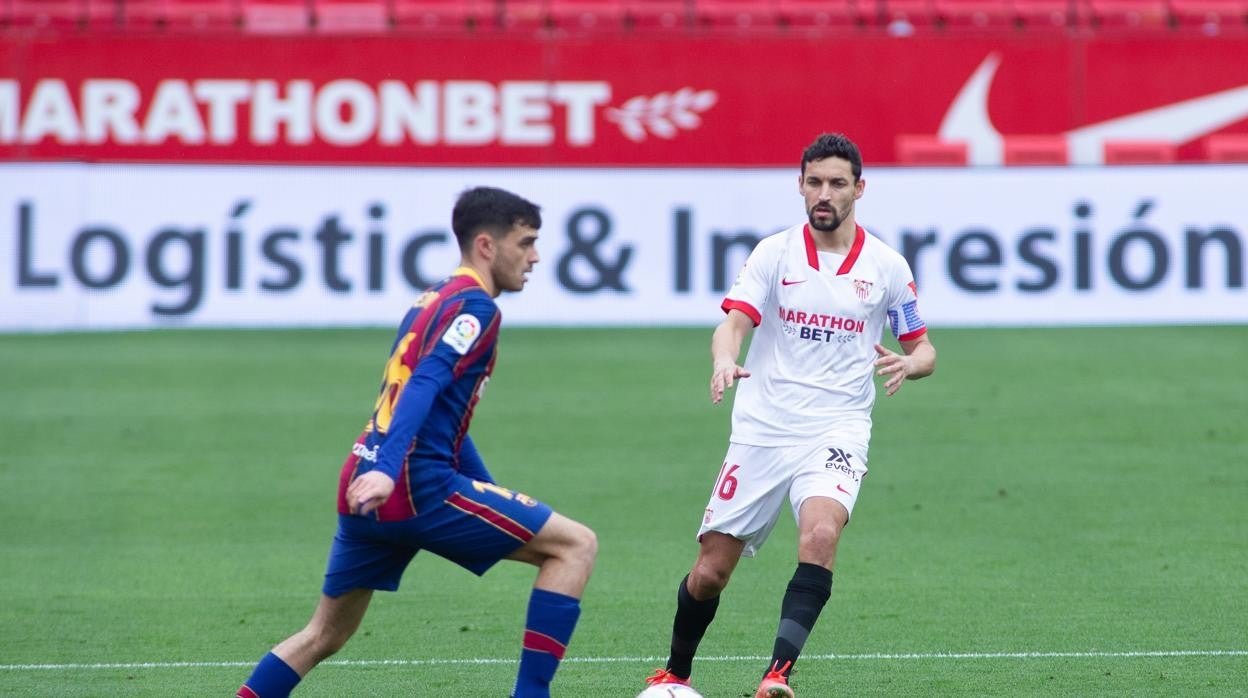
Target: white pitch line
{"x":903,"y":656}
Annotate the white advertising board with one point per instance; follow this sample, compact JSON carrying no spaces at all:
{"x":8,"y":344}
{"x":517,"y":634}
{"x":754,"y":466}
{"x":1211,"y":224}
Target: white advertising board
{"x":135,"y":246}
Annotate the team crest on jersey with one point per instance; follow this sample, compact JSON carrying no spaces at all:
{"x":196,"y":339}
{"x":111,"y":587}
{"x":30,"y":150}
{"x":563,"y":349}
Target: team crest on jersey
{"x":463,"y":331}
{"x":863,"y":288}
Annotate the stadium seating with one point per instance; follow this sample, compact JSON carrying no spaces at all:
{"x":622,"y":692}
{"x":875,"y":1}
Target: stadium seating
{"x":1130,"y":14}
{"x":975,"y":14}
{"x":903,"y":17}
{"x":352,"y":16}
{"x":586,"y":15}
{"x":63,"y":14}
{"x":46,"y":14}
{"x":663,"y":15}
{"x":931,"y":151}
{"x":181,"y":15}
{"x":277,"y":16}
{"x":1210,"y":16}
{"x":101,"y":14}
{"x":523,"y":15}
{"x":1035,"y":150}
{"x":1227,"y":147}
{"x":145,"y":14}
{"x":442,"y":15}
{"x":742,"y":15}
{"x":1036,"y":15}
{"x":1139,"y":152}
{"x":818,"y":14}
{"x":898,"y":17}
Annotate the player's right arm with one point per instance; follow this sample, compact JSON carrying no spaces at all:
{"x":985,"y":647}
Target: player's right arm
{"x":749,"y":292}
{"x":725,"y":348}
{"x":371,"y":489}
{"x":433,"y":372}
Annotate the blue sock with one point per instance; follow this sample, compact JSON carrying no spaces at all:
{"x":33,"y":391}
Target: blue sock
{"x":549,"y":625}
{"x":272,"y":678}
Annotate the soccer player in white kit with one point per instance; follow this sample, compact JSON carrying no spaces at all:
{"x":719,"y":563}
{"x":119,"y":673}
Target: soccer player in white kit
{"x":819,"y":294}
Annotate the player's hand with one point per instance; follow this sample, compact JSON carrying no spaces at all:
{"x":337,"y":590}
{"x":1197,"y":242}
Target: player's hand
{"x":892,"y":364}
{"x":369,"y":491}
{"x":722,"y":376}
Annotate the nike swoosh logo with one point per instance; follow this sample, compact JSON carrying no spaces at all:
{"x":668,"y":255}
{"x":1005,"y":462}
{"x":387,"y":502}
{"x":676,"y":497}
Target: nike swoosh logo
{"x":790,"y":282}
{"x":844,"y":490}
{"x":967,"y":119}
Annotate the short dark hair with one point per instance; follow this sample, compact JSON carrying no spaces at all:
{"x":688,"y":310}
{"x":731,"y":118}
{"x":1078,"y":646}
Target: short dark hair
{"x":492,"y":210}
{"x":834,"y":145}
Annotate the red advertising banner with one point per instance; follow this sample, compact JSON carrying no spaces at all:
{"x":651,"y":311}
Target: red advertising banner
{"x":635,"y":101}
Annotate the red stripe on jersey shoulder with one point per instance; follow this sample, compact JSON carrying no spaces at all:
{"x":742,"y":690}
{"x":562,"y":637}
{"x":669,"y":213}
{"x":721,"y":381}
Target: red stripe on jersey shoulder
{"x":427,"y":323}
{"x":484,"y":343}
{"x":730,"y":304}
{"x":451,"y":308}
{"x":860,"y":238}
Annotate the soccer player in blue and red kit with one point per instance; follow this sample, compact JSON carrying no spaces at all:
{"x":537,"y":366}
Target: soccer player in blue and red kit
{"x":414,"y":481}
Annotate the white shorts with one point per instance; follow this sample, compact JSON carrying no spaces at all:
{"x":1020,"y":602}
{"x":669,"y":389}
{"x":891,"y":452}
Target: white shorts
{"x":754,"y":481}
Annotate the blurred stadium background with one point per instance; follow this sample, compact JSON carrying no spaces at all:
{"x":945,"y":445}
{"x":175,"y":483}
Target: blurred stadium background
{"x":212,"y":212}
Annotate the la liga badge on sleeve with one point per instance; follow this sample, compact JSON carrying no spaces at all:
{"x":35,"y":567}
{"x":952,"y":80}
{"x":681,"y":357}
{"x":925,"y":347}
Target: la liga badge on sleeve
{"x":463,"y":331}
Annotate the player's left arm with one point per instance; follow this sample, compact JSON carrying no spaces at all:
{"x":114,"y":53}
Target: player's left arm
{"x":918,"y":357}
{"x":917,"y":361}
{"x":370,"y":490}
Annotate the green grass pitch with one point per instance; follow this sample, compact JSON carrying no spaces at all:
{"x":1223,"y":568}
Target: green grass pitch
{"x":1057,"y":512}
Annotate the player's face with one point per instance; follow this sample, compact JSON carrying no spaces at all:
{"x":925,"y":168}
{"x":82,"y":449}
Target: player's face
{"x":830,"y":190}
{"x":514,"y":257}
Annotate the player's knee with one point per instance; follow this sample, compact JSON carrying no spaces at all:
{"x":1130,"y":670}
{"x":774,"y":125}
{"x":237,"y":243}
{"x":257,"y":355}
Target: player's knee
{"x":708,"y":578}
{"x":822,"y":536}
{"x":584,"y":544}
{"x":324,"y":641}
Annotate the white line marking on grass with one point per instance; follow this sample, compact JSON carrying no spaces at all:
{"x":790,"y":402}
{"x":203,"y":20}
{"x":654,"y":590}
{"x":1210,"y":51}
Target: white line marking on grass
{"x":642,"y":660}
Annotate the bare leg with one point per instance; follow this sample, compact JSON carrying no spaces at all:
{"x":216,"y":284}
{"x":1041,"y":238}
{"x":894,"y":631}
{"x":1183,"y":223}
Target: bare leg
{"x":334,"y":622}
{"x":718,"y":556}
{"x":819,"y":525}
{"x":564,"y":552}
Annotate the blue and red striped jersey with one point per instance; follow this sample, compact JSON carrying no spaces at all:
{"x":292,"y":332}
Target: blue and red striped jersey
{"x":439,"y":363}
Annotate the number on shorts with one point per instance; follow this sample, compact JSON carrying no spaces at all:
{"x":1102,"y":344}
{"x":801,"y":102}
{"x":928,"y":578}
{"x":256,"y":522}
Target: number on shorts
{"x":484,"y":487}
{"x":726,"y":485}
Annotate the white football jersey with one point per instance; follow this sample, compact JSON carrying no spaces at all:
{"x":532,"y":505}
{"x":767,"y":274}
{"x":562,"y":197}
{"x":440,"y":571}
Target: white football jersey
{"x":818,"y":316}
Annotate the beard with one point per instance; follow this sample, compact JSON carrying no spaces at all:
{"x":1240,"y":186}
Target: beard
{"x":510,"y":284}
{"x":508,"y":280}
{"x":827,"y":226}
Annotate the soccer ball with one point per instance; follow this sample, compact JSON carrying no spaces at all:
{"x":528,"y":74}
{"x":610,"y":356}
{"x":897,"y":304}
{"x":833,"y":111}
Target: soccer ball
{"x":669,"y":690}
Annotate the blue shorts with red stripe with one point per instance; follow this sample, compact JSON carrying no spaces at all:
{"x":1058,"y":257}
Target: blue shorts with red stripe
{"x":475,"y":525}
